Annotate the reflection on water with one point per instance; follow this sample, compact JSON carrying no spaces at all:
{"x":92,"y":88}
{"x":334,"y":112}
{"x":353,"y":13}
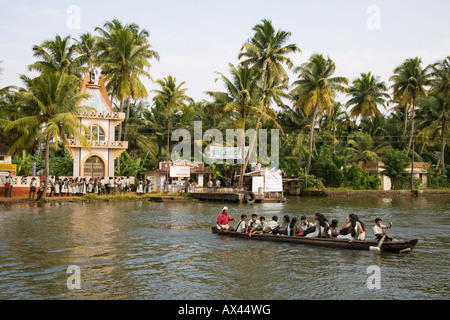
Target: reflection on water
{"x":145,"y":250}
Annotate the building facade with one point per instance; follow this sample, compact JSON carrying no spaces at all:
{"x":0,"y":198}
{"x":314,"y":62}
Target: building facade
{"x":98,"y":161}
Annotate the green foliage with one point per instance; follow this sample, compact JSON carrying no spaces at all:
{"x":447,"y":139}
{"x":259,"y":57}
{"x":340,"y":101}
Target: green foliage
{"x":328,"y":165}
{"x":358,"y":179}
{"x":395,"y":163}
{"x":61,"y":163}
{"x":130,"y":166}
{"x":437,"y":178}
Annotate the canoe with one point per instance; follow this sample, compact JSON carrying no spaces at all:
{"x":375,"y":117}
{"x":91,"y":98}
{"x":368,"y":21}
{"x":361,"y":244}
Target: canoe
{"x":387,"y":246}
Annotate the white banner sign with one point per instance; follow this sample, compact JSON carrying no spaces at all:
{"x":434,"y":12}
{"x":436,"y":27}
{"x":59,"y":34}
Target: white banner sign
{"x":273,"y":182}
{"x":226,"y":152}
{"x":180,"y":172}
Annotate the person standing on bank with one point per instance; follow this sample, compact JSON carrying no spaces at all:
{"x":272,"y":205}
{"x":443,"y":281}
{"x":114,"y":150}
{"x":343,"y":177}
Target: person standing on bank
{"x":32,"y":189}
{"x":223,"y":219}
{"x":8,"y":186}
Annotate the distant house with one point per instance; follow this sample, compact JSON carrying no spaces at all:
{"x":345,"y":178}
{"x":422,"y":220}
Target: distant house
{"x":375,"y":169}
{"x":4,"y":158}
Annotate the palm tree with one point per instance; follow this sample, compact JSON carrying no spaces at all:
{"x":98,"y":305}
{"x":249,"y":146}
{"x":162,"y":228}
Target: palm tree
{"x":363,"y":147}
{"x":86,"y":47}
{"x":58,"y":54}
{"x":50,"y":102}
{"x":435,"y":110}
{"x":410,"y":81}
{"x":125,"y":53}
{"x":243,"y":96}
{"x":171,"y":95}
{"x":316,"y":89}
{"x":441,"y":76}
{"x":367,"y":93}
{"x":267,"y":51}
{"x":336,"y":123}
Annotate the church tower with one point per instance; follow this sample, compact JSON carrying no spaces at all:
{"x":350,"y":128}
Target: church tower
{"x":102,"y":120}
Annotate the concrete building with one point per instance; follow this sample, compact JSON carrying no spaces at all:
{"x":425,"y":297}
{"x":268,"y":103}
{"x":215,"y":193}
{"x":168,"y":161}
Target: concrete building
{"x":376,"y":169}
{"x":101,"y":120}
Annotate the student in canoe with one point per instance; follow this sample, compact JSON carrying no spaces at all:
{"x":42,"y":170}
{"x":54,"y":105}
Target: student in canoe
{"x":242,"y":225}
{"x":362,"y":235}
{"x":253,"y":223}
{"x":334,"y":228}
{"x":304,"y":226}
{"x":378,"y":229}
{"x":266,"y":227}
{"x":321,"y":227}
{"x":283,"y":229}
{"x":223,"y":219}
{"x":292,"y":226}
{"x":351,"y":229}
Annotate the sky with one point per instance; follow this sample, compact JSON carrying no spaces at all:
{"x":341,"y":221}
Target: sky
{"x":196,"y":39}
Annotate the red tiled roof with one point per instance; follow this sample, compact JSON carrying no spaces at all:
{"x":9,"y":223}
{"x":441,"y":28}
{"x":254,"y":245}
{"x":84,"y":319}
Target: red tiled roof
{"x":3,"y":149}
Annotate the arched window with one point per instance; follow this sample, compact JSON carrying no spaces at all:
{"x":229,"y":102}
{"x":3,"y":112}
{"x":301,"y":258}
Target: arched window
{"x":97,"y":133}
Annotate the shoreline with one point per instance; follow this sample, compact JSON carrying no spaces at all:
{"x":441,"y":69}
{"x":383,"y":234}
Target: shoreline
{"x":375,"y":193}
{"x":178,"y":198}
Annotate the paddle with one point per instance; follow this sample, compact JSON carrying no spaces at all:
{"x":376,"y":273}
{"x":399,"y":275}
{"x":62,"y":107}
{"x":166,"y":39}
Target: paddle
{"x":378,"y":248}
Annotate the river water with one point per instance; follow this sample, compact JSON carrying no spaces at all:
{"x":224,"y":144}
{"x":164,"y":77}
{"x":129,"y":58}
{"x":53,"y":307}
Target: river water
{"x":147,"y":250}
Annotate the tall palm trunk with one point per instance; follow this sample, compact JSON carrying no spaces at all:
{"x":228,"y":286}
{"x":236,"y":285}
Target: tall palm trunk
{"x":119,"y":137}
{"x":241,"y":176}
{"x":311,"y":138}
{"x":125,"y":134}
{"x":250,"y":150}
{"x":443,"y":143}
{"x":252,"y":143}
{"x":412,"y":125}
{"x":47,"y":166}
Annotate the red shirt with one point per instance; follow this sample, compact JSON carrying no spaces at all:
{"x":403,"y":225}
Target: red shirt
{"x":223,"y":219}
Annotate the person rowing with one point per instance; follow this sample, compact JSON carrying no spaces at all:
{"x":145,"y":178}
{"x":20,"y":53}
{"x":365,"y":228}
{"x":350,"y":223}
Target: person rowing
{"x":223,"y":219}
{"x":378,"y":231}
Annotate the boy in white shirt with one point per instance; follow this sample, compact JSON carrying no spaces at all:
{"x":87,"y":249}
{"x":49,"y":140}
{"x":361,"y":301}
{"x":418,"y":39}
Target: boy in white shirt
{"x":378,"y":229}
{"x":253,"y":223}
{"x":241,"y":226}
{"x":267,"y":227}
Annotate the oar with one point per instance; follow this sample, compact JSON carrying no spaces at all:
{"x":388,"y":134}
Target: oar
{"x":378,"y":248}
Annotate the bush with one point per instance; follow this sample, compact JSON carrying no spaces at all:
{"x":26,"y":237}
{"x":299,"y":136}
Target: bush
{"x":403,"y":182}
{"x":356,"y":178}
{"x":395,"y":163}
{"x":437,"y":178}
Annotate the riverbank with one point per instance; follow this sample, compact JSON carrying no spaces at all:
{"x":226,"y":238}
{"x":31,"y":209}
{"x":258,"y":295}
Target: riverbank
{"x":157,"y":197}
{"x":375,"y":193}
{"x":162,"y":197}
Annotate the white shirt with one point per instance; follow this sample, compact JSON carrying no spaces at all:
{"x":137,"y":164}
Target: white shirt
{"x":253,"y":224}
{"x":376,"y":229}
{"x":272,"y":224}
{"x":304,"y":227}
{"x":240,"y":226}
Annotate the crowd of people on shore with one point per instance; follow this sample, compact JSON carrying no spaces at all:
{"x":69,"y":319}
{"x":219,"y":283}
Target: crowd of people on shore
{"x":352,"y":229}
{"x":72,"y":187}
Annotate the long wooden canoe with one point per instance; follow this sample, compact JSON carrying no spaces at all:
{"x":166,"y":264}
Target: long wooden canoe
{"x":388,"y":246}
